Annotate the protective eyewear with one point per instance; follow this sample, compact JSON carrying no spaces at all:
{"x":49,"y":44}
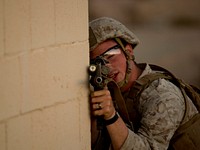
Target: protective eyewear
{"x":111,"y":52}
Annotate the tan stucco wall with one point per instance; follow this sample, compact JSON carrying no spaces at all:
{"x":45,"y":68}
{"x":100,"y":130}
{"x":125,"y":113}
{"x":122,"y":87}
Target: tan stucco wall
{"x":43,"y":75}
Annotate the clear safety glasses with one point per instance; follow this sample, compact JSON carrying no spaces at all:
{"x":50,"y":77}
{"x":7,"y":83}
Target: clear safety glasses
{"x":111,"y":53}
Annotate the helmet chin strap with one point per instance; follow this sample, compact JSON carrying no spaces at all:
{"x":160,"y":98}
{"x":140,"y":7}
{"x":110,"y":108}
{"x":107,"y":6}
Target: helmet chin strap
{"x":129,"y":58}
{"x":124,"y":82}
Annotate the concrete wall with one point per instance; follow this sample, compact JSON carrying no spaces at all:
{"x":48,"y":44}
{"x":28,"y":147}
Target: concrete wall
{"x":43,"y":76}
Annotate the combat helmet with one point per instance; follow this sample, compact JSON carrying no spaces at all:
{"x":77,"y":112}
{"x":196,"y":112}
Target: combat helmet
{"x":105,"y":28}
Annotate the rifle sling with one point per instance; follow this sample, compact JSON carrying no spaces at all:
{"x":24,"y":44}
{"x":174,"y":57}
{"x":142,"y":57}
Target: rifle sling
{"x":119,"y":100}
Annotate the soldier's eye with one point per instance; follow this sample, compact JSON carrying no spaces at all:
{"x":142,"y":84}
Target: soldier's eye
{"x":113,"y":51}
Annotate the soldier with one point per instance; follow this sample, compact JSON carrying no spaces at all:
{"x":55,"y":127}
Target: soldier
{"x":158,"y":112}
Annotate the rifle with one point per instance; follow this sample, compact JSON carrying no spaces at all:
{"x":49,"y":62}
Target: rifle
{"x":99,"y":80}
{"x":98,"y":73}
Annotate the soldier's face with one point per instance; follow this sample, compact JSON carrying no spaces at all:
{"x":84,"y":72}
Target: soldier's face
{"x":115,"y":57}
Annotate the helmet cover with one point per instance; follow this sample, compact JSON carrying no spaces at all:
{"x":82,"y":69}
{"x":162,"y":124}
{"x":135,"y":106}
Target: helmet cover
{"x":105,"y":28}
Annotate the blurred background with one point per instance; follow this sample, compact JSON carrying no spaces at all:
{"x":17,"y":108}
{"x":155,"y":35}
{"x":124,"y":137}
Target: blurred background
{"x":169,"y":31}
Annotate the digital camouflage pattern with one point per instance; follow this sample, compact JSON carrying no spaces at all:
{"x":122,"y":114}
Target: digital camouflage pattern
{"x":105,"y":28}
{"x":162,"y":107}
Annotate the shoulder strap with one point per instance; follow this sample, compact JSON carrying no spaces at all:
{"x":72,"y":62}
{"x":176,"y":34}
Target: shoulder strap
{"x":191,"y":91}
{"x":146,"y":80}
{"x":119,"y":101}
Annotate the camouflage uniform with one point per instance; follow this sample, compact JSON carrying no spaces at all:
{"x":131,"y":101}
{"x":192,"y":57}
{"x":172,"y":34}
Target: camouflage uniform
{"x":162,"y":107}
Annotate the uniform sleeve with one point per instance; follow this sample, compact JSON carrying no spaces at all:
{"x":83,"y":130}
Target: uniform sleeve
{"x":162,"y":108}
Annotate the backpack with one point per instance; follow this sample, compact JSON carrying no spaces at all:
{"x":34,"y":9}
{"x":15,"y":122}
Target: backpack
{"x":187,"y":136}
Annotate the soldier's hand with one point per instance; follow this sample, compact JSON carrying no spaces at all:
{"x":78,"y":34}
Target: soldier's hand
{"x":102,"y":104}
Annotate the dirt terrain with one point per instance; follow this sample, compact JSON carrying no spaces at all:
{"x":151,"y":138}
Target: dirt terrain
{"x":169,"y":31}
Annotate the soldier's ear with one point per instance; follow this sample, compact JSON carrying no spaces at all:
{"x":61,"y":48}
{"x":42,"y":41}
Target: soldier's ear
{"x":129,"y":48}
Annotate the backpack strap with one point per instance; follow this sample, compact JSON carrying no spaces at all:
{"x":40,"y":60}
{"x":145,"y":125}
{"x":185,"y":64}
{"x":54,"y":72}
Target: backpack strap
{"x":132,"y":100}
{"x":193,"y":93}
{"x":143,"y":83}
{"x":187,"y":90}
